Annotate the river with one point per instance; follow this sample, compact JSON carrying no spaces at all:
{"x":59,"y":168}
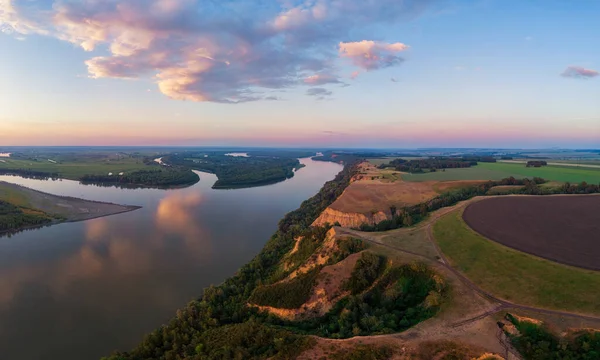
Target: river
{"x":78,"y":291}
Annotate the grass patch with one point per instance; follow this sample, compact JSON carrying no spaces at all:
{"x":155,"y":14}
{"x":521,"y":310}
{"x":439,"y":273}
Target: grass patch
{"x":472,"y":173}
{"x":363,"y":352}
{"x":514,"y":275}
{"x":550,"y":172}
{"x":287,"y":294}
{"x":74,"y":169}
{"x":499,"y":170}
{"x":414,"y":241}
{"x":16,"y":197}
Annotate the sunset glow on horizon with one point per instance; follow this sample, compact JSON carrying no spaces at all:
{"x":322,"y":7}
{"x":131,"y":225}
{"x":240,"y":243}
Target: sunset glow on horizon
{"x":316,"y":73}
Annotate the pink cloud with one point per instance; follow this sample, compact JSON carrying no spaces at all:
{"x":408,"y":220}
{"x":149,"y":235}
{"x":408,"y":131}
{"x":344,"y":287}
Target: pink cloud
{"x":579,"y":73}
{"x":227,"y":52}
{"x":321,"y":79}
{"x":371,"y":55}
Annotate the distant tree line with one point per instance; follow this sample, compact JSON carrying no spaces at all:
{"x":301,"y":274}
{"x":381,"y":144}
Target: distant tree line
{"x":30,"y":174}
{"x":161,"y":177}
{"x":536,"y":163}
{"x":235,"y":172}
{"x":410,"y":215}
{"x":416,"y":166}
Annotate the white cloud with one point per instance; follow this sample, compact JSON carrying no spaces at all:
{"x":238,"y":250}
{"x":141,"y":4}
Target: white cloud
{"x":229,"y":52}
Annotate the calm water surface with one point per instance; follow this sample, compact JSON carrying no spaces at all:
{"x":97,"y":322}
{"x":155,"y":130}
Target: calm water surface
{"x":78,"y":291}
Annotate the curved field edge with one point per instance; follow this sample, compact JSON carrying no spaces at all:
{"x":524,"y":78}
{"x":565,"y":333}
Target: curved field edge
{"x":513,"y":275}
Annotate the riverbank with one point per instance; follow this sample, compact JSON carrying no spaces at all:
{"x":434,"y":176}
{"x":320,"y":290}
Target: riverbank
{"x":59,"y":208}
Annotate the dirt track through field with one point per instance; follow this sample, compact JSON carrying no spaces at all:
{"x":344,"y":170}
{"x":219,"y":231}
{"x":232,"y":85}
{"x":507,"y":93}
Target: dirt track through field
{"x":565,"y":229}
{"x":503,"y":304}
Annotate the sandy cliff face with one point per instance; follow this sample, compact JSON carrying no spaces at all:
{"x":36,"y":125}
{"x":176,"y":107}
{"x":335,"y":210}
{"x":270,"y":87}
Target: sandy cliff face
{"x":348,"y":219}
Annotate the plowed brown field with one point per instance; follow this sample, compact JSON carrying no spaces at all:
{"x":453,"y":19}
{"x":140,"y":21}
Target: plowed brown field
{"x":564,"y":228}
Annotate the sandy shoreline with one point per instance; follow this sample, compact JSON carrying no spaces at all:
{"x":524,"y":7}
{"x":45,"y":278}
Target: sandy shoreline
{"x":68,"y":208}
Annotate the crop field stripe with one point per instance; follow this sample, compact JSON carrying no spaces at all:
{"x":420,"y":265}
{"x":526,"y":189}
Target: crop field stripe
{"x":513,"y":275}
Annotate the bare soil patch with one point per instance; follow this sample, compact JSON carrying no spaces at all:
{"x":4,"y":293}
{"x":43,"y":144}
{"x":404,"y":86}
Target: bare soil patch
{"x":367,"y":196}
{"x":565,"y":229}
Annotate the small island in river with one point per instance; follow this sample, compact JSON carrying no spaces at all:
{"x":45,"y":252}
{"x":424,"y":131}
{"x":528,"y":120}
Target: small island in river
{"x":23,"y":208}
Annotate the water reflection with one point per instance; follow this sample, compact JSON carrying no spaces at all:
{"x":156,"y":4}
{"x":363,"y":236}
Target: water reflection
{"x":84,"y":289}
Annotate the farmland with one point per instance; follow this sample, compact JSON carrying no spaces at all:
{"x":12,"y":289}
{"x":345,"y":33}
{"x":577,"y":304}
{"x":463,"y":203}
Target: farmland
{"x":514,"y":275}
{"x":74,"y":169}
{"x":497,"y":171}
{"x":560,"y":228}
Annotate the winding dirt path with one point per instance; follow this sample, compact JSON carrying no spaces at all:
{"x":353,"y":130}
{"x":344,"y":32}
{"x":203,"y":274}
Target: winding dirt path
{"x":504,"y":304}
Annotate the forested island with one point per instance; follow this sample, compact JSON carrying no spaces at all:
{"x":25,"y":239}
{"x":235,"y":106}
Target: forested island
{"x":157,"y":177}
{"x":239,"y":171}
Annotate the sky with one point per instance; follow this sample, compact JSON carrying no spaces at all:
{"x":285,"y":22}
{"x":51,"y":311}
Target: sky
{"x":322,"y":73}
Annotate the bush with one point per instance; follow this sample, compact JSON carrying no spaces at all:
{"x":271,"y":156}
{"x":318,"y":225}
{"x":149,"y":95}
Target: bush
{"x":287,"y":294}
{"x":365,"y":272}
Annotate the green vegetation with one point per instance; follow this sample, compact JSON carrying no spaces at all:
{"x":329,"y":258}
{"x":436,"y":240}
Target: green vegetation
{"x":289,"y":294}
{"x":402,"y":297}
{"x":14,"y":218}
{"x":513,"y":275}
{"x":310,"y":240}
{"x":500,"y":170}
{"x":345,"y":248}
{"x":72,"y":166}
{"x":249,"y":340}
{"x":363,"y":352}
{"x":237,"y":172}
{"x":550,"y":172}
{"x":159,"y":177}
{"x":225,"y":304}
{"x":535,"y":342}
{"x":365,"y":272}
{"x":419,"y":166}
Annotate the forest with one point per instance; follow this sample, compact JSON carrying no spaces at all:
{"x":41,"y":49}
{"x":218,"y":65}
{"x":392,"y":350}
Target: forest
{"x":197,"y":331}
{"x":416,"y":166}
{"x":237,"y":172}
{"x":157,"y":177}
{"x":536,"y":342}
{"x":13,"y":217}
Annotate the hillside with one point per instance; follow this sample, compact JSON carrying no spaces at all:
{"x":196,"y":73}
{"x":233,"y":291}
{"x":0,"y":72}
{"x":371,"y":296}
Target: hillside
{"x":323,"y":291}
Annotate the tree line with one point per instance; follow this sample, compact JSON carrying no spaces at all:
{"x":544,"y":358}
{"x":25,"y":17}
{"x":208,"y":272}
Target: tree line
{"x":416,"y":166}
{"x":154,"y":177}
{"x":235,"y":172}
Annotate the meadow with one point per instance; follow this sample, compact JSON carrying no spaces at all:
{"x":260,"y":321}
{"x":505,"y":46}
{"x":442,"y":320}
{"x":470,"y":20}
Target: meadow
{"x":75,"y":168}
{"x":498,"y":171}
{"x":513,"y":275}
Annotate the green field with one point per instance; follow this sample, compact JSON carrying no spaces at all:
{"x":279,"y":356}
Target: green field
{"x":74,"y":169}
{"x":498,"y":171}
{"x":513,"y":275}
